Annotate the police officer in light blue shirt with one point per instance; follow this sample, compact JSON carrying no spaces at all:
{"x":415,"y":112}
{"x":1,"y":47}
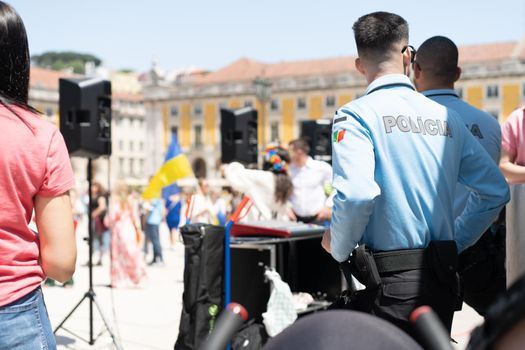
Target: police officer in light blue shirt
{"x":397,"y":157}
{"x":439,"y":57}
{"x":482,"y":266}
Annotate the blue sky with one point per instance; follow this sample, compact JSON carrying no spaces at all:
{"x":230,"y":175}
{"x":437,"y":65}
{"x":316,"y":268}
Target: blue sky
{"x":210,"y":34}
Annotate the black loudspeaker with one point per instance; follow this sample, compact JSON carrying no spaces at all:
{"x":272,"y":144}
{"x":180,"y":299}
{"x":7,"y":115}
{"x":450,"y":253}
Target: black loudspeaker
{"x":239,"y":135}
{"x":318,"y":134}
{"x":85,"y":116}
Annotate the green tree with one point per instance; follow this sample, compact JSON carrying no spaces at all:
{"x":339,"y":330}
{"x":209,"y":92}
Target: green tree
{"x":65,"y":59}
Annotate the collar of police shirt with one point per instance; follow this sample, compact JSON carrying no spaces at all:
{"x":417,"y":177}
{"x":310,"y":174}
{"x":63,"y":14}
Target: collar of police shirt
{"x":440,"y":92}
{"x":389,"y":80}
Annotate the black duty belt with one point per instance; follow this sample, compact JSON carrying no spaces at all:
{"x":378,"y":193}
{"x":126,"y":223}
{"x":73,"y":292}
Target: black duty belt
{"x":401,"y":260}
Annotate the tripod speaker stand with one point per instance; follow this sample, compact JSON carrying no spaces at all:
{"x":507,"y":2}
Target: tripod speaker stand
{"x":90,"y":295}
{"x":85,"y":123}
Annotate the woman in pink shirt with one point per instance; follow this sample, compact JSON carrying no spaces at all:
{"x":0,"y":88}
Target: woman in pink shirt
{"x":35,"y":175}
{"x":512,"y":164}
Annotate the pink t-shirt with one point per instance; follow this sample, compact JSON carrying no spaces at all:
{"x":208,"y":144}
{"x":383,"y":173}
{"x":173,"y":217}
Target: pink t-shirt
{"x":33,"y":161}
{"x":513,"y":136}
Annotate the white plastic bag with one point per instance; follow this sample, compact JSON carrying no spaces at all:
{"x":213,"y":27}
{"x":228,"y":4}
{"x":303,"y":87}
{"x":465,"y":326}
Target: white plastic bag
{"x":280,"y":312}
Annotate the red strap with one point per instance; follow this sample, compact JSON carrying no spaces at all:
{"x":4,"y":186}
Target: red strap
{"x":189,"y":207}
{"x":236,"y":216}
{"x":246,"y":211}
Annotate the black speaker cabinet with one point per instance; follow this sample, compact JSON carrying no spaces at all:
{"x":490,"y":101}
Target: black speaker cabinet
{"x":85,"y":116}
{"x":239,"y":135}
{"x":318,"y":134}
{"x":249,"y":286}
{"x":302,"y":263}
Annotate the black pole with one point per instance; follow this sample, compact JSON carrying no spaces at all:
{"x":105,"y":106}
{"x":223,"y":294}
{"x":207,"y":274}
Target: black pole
{"x":90,"y":244}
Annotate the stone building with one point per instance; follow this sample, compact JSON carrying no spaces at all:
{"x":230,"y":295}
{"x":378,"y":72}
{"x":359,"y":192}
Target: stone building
{"x":287,"y":93}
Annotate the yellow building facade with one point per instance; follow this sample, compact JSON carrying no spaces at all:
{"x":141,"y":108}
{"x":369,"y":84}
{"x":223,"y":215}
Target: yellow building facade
{"x":493,"y":79}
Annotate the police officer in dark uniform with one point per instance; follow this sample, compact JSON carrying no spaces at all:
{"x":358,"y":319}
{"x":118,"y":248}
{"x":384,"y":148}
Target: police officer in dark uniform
{"x":481,"y":266}
{"x":397,"y":157}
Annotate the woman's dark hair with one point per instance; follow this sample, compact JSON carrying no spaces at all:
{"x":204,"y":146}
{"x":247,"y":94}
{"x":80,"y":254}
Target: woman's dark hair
{"x":276,"y":160}
{"x":15,"y":61}
{"x":283,"y":187}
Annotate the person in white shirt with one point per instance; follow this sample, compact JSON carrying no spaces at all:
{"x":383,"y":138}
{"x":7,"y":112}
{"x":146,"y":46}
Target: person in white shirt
{"x":201,"y":209}
{"x":311,"y":179}
{"x":269,"y":189}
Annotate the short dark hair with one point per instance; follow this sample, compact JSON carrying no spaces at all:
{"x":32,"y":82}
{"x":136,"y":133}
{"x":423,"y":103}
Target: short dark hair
{"x":438,"y":57}
{"x":300,"y":144}
{"x":378,"y":33}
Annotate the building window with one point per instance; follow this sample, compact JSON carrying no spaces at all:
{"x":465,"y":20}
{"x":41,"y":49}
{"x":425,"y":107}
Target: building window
{"x":132,"y":166}
{"x":141,"y":165}
{"x":121,"y":166}
{"x":131,"y":146}
{"x":141,"y":146}
{"x":459,"y":92}
{"x":274,"y":104}
{"x":330,"y":101}
{"x":492,"y":91}
{"x":174,"y":111}
{"x":121,"y":145}
{"x":301,"y":103}
{"x":248,"y":103}
{"x":274,"y":131}
{"x":198,"y":136}
{"x":125,"y":122}
{"x":197,"y":109}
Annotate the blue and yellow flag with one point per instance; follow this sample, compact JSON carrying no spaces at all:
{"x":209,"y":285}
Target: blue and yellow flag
{"x":176,"y":166}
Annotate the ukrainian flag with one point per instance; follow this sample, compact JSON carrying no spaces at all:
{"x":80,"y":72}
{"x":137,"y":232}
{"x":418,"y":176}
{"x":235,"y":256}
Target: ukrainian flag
{"x":176,"y":166}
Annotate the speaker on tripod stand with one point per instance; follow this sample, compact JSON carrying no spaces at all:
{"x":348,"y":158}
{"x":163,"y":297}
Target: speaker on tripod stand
{"x":239,"y":135}
{"x":85,"y":123}
{"x":318,"y":135}
{"x":85,"y":116}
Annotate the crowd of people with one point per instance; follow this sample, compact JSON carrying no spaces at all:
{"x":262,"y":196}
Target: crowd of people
{"x":125,"y":227}
{"x":413,"y":203}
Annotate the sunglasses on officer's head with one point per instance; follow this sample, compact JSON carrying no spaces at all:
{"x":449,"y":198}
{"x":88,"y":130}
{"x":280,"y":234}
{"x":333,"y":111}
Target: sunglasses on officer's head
{"x":412,"y":52}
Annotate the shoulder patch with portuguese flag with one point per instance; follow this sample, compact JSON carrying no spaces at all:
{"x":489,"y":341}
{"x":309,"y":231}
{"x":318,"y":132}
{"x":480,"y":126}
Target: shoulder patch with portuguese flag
{"x":338,"y":135}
